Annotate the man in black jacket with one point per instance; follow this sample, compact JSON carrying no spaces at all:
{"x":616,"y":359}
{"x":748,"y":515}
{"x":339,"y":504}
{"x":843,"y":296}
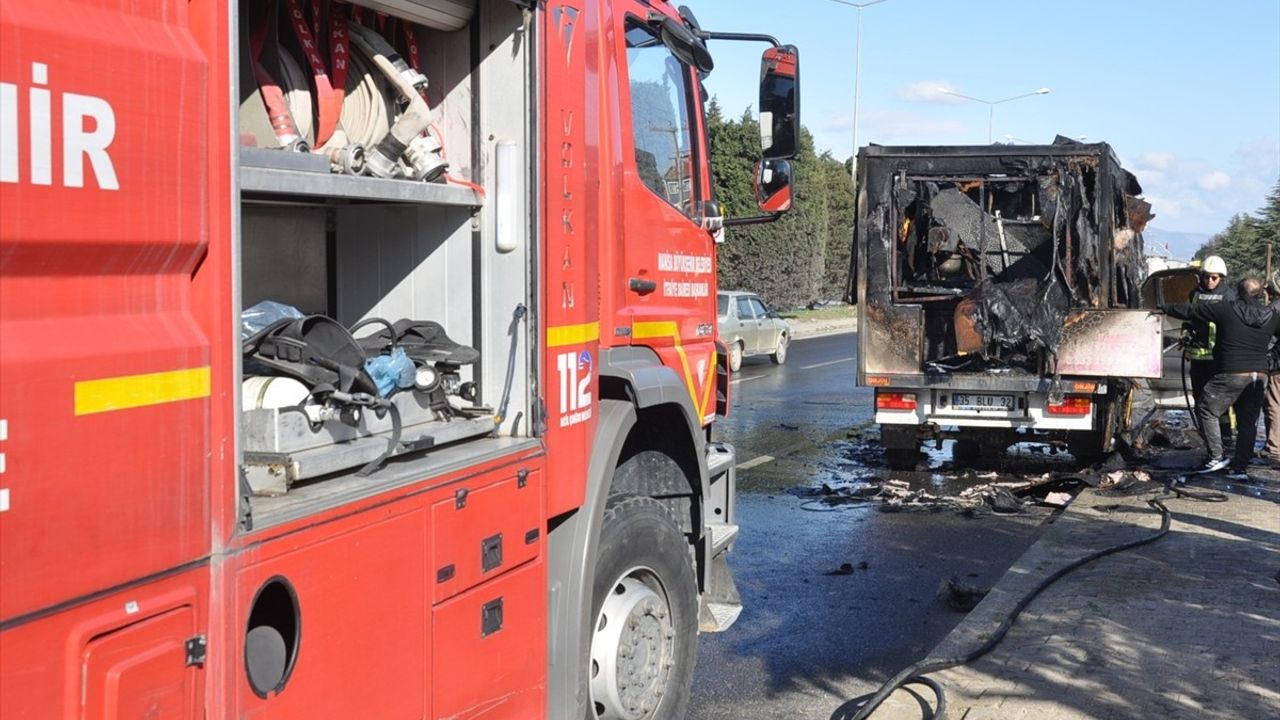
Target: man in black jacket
{"x":1244,"y":331}
{"x":1199,"y":335}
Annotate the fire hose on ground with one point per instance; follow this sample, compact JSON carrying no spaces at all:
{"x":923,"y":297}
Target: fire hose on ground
{"x":862,"y":707}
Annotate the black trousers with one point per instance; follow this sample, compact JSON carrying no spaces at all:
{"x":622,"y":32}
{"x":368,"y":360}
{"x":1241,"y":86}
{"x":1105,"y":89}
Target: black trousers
{"x":1201,"y":371}
{"x":1244,"y":392}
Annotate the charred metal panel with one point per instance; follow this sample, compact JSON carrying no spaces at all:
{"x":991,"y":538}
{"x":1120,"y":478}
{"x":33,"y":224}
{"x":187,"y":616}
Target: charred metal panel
{"x":1119,"y":343}
{"x":991,"y":248}
{"x":893,"y":339}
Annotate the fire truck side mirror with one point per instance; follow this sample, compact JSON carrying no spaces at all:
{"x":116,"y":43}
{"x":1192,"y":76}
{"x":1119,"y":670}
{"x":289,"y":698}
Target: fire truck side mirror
{"x":682,"y":43}
{"x":712,"y":216}
{"x":780,"y":102}
{"x":773,"y":186}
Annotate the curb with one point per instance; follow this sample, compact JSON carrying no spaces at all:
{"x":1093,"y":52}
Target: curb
{"x":801,"y":331}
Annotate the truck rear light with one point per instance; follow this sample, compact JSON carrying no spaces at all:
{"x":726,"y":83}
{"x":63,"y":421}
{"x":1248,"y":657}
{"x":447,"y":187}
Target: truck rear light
{"x":1071,"y":405}
{"x":895,"y":401}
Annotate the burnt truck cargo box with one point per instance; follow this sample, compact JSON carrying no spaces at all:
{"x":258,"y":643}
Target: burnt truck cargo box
{"x":1021,"y":260}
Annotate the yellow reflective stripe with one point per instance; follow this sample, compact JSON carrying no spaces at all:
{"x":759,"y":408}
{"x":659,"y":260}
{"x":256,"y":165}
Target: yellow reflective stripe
{"x":660,"y":329}
{"x":131,"y":391}
{"x":573,"y":334}
{"x":669,"y":330}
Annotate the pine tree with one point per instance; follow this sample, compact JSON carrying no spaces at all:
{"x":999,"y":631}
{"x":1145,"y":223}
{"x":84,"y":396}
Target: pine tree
{"x":1243,"y":244}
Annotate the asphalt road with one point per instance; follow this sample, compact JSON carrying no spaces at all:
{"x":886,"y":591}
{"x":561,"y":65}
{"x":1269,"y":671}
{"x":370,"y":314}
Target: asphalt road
{"x":811,"y":635}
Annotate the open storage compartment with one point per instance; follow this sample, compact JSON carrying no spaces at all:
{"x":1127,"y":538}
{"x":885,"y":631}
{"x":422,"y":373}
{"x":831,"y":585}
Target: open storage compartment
{"x":381,"y":220}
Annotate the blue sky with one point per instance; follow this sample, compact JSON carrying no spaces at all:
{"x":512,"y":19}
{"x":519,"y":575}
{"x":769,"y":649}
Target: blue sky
{"x":1187,"y":93}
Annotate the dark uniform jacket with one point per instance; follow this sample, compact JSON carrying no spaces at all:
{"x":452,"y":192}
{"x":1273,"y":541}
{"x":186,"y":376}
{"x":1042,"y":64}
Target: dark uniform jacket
{"x":1200,"y":335}
{"x":1244,"y":331}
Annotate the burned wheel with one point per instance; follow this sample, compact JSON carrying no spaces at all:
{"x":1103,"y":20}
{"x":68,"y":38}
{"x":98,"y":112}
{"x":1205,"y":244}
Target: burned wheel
{"x":645,"y":604}
{"x":966,"y":453}
{"x":902,"y":458}
{"x":1087,"y":446}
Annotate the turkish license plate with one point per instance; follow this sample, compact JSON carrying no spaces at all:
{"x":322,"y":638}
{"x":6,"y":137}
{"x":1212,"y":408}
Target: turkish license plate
{"x":970,"y":401}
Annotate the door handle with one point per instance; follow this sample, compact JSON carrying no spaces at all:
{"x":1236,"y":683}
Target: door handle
{"x":643,"y":287}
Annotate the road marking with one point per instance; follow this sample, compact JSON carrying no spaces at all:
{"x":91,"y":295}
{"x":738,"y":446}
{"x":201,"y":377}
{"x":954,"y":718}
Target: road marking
{"x":755,"y":461}
{"x":749,"y":378}
{"x":833,"y":362}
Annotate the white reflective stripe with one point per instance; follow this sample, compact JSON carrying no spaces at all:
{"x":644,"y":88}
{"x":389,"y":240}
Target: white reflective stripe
{"x":753,"y":462}
{"x":4,"y":499}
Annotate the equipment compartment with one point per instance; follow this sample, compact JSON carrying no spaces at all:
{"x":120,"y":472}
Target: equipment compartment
{"x":329,"y":239}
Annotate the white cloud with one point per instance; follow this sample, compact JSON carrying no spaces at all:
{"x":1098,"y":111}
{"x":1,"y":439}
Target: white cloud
{"x":928,"y":91}
{"x":887,"y":127}
{"x":1216,"y":180}
{"x":1156,"y":160}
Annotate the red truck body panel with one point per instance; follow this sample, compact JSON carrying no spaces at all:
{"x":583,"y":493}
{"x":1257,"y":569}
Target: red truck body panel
{"x":119,"y":535}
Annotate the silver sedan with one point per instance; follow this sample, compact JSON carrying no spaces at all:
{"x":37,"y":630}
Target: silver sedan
{"x":748,"y":327}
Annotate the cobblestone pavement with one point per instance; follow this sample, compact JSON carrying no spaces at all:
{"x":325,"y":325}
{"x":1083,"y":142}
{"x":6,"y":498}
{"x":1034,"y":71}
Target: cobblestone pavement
{"x":1185,"y":627}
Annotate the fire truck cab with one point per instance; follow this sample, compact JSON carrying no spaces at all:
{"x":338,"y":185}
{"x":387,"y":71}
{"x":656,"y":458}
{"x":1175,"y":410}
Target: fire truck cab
{"x":359,"y":359}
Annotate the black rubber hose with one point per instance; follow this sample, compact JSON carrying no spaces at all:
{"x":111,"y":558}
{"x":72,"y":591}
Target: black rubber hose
{"x":915,"y":673}
{"x":1186,"y":396}
{"x":516,"y":316}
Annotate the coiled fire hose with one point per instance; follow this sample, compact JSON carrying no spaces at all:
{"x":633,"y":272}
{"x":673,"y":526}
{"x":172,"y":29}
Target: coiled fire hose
{"x":405,"y":139}
{"x":379,"y":123}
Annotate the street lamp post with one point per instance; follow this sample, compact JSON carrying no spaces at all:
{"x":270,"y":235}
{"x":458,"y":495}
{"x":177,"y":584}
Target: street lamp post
{"x":857,"y":80}
{"x":991,"y":105}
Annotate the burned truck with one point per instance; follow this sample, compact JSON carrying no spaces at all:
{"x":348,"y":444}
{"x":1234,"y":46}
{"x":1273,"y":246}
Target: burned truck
{"x":998,"y":292}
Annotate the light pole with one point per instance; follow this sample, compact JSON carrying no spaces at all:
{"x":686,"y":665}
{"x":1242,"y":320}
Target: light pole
{"x":857,"y":81}
{"x":991,"y":104}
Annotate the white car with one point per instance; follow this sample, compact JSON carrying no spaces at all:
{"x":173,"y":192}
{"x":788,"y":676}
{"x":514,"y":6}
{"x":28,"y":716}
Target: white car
{"x":749,"y":328}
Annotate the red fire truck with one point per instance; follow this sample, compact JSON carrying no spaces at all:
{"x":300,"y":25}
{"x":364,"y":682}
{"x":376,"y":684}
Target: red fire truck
{"x":222,"y":222}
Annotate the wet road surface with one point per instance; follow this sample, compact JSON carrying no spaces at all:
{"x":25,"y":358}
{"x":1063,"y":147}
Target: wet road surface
{"x":838,"y":597}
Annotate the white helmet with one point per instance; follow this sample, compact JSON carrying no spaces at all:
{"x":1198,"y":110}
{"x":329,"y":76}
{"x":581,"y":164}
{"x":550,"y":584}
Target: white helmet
{"x":1213,"y":265}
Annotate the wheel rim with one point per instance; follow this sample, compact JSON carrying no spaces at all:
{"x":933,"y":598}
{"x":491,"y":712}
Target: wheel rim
{"x":781,"y":352}
{"x":633,"y":648}
{"x":735,"y":357}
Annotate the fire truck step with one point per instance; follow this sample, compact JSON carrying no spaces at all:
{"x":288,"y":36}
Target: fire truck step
{"x":717,"y":617}
{"x":720,"y":459}
{"x":722,"y":536}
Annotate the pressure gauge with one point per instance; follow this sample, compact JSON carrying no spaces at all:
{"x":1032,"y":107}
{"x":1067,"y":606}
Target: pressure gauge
{"x":426,"y":378}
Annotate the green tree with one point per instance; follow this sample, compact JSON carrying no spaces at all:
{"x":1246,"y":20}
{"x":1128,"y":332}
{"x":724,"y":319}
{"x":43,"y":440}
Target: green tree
{"x":841,"y":217}
{"x":784,"y":261}
{"x":1243,"y":244}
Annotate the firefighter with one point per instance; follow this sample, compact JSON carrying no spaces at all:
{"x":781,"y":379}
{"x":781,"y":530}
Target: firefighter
{"x":1199,"y":335}
{"x":1246,"y":329}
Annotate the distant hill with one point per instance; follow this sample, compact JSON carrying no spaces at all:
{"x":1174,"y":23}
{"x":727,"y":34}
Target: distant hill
{"x":1171,"y":243}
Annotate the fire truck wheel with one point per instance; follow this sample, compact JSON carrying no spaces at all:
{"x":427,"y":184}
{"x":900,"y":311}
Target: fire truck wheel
{"x":735,"y":357}
{"x":645,"y":605}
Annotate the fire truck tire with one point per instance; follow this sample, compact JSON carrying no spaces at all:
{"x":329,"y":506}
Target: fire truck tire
{"x":735,"y":357}
{"x":645,"y":604}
